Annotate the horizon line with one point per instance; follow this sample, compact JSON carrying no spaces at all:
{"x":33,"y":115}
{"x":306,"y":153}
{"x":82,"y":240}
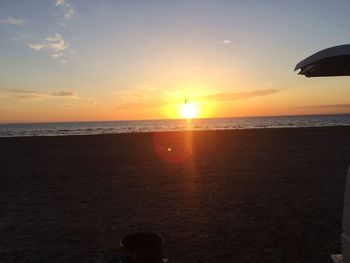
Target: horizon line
{"x":135,"y":120}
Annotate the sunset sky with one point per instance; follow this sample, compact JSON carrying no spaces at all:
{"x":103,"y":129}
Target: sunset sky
{"x":79,"y":60}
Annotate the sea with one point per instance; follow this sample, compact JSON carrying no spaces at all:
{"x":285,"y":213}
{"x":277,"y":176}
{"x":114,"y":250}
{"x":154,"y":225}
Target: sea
{"x":112,"y":127}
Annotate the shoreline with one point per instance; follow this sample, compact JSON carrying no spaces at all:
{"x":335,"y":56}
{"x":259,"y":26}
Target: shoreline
{"x":181,"y":131}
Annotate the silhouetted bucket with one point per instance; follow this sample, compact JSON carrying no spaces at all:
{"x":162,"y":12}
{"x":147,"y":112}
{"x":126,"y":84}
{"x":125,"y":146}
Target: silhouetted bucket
{"x":143,"y":247}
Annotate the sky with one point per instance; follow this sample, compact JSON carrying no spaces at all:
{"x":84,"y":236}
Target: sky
{"x":80,"y":60}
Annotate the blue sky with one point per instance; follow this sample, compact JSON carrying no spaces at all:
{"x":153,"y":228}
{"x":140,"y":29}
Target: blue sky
{"x":88,"y":60}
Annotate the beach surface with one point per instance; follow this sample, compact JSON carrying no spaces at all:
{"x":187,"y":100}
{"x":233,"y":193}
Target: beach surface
{"x":264,"y":195}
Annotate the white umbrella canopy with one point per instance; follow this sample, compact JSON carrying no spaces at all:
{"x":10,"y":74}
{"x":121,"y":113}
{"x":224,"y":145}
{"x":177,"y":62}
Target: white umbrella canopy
{"x":333,"y":61}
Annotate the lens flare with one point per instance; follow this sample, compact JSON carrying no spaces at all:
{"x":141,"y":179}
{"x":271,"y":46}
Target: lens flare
{"x":173,"y":147}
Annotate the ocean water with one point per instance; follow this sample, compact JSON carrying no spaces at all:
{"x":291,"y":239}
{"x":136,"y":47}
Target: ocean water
{"x":110,"y":127}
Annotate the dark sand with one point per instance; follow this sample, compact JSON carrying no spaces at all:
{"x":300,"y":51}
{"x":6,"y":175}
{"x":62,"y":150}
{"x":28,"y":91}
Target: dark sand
{"x":271,"y":195}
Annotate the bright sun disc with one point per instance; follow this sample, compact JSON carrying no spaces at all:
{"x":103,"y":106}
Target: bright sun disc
{"x":189,"y":111}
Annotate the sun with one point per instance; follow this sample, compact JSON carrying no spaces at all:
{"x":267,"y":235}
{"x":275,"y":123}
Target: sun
{"x":189,"y":110}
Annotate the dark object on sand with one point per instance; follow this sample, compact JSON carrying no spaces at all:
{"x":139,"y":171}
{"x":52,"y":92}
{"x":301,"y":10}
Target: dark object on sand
{"x":143,"y":247}
{"x":333,"y":61}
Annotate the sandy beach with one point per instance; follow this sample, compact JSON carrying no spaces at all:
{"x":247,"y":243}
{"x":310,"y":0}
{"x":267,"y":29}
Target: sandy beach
{"x":264,"y":195}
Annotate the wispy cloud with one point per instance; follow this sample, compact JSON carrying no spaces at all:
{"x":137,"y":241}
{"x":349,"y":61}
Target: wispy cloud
{"x":60,"y":2}
{"x":64,"y":94}
{"x":67,"y":9}
{"x":6,"y":93}
{"x":57,"y":55}
{"x":334,"y":106}
{"x":145,"y":98}
{"x":228,"y":96}
{"x":54,"y":44}
{"x":226,"y":42}
{"x":36,"y":46}
{"x":19,"y":38}
{"x":13,"y":21}
{"x":33,"y":94}
{"x":140,"y":105}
